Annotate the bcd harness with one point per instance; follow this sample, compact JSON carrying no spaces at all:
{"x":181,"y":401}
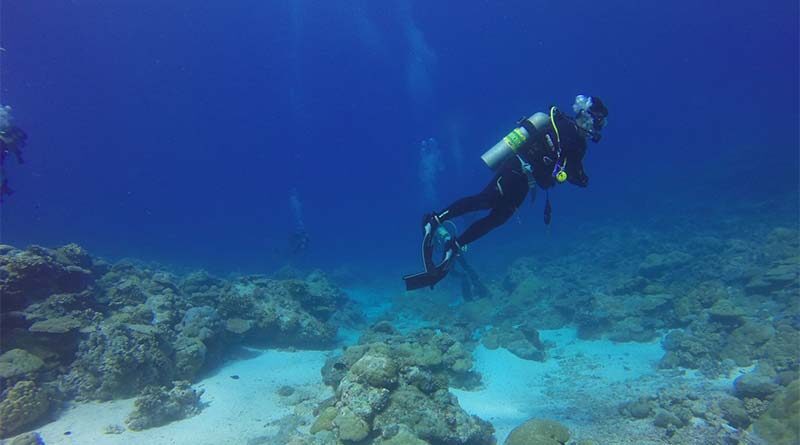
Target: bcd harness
{"x":559,"y":169}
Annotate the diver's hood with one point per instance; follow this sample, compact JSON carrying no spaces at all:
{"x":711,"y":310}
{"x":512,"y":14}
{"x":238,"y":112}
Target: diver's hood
{"x":591,"y":111}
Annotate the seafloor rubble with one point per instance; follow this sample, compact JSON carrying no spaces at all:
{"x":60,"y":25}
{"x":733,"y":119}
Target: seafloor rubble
{"x":74,"y":326}
{"x":723,"y":298}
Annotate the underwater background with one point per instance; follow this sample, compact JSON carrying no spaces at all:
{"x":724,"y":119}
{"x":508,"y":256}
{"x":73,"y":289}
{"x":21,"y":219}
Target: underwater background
{"x":177,"y":131}
{"x":200,"y":135}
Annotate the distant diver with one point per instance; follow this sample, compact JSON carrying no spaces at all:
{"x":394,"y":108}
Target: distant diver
{"x":12,"y":141}
{"x":299,"y":239}
{"x":544,"y":150}
{"x":298,"y":242}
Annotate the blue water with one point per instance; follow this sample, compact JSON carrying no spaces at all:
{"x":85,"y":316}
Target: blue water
{"x":176,"y":131}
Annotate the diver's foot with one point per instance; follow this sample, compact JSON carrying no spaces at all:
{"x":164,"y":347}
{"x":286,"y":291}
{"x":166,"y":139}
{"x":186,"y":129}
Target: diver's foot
{"x":453,"y":248}
{"x":430,"y":222}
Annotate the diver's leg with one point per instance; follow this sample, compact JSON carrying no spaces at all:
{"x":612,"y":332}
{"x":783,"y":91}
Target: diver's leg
{"x":482,"y":201}
{"x":484,"y":225}
{"x":486,"y":199}
{"x":514,"y":187}
{"x":503,"y":195}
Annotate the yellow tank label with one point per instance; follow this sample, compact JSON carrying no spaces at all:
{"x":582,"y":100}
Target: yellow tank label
{"x":515,"y":139}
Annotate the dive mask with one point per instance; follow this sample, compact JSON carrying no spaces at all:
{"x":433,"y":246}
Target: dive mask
{"x":591,"y":108}
{"x":599,"y":113}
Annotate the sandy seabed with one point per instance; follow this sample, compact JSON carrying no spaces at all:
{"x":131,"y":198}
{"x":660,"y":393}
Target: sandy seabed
{"x":238,"y":410}
{"x":581,"y":385}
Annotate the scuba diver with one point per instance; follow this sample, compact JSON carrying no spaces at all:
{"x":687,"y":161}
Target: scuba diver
{"x":299,"y":238}
{"x":298,"y":242}
{"x":544,"y":150}
{"x":12,"y":140}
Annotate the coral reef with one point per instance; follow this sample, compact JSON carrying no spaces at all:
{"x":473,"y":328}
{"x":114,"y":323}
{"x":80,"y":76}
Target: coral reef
{"x":721,"y":298}
{"x":18,"y":363}
{"x":35,"y":273}
{"x":440,"y":354}
{"x":757,"y":385}
{"x":98,"y":331}
{"x":677,"y":410}
{"x":656,"y":265}
{"x":715,"y":347}
{"x":780,"y":424}
{"x":118,"y":360}
{"x":158,"y":406}
{"x":21,"y":405}
{"x":670,"y":408}
{"x":393,"y":388}
{"x":522,"y":341}
{"x":539,"y":432}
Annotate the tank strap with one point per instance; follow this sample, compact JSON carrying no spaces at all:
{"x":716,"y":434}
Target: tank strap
{"x":529,"y":127}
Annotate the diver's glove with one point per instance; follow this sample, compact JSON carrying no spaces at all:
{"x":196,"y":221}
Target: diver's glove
{"x":580,"y":180}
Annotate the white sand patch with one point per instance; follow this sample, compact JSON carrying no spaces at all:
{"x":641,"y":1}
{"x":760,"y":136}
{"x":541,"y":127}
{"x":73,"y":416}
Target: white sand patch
{"x":238,"y":410}
{"x":581,"y":385}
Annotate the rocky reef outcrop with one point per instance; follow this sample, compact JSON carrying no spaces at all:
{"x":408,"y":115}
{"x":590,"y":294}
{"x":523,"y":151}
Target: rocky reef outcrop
{"x":158,"y":406}
{"x":758,"y":401}
{"x":539,"y":432}
{"x":75,"y":326}
{"x":780,"y":421}
{"x":521,"y":340}
{"x":393,"y":388}
{"x":22,"y":405}
{"x":36,"y":273}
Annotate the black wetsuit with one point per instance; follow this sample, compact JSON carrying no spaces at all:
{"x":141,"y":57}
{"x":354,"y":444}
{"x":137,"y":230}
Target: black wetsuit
{"x":507,"y":190}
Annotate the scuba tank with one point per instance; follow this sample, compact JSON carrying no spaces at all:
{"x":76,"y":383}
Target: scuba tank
{"x":508,"y":146}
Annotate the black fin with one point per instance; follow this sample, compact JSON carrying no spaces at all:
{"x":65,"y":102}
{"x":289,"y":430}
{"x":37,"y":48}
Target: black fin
{"x":424,"y":279}
{"x":430,"y":277}
{"x":427,"y":252}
